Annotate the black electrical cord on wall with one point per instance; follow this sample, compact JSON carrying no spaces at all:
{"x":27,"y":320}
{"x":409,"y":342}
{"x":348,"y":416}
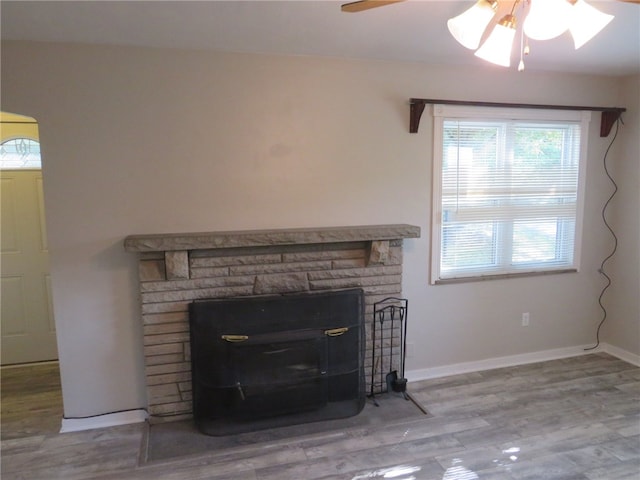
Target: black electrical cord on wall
{"x":615,"y":240}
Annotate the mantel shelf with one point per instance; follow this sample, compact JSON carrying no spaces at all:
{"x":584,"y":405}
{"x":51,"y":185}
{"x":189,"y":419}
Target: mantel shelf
{"x":256,"y":238}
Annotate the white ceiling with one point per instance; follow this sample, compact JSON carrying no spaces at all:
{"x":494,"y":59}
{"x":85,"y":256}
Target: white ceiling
{"x":409,"y":31}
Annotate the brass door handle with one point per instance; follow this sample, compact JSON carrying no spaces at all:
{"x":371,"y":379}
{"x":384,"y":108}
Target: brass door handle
{"x":335,"y":332}
{"x":235,"y":338}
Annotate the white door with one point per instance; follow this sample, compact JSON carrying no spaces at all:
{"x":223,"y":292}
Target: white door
{"x":26,"y":321}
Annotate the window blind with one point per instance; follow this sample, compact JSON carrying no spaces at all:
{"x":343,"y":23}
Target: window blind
{"x":507,"y":194}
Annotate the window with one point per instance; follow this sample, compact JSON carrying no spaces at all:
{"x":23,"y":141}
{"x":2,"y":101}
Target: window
{"x":507,"y":194}
{"x":20,"y":153}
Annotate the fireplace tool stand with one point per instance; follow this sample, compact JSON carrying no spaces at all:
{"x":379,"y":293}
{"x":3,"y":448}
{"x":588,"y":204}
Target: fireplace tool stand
{"x":389,"y":344}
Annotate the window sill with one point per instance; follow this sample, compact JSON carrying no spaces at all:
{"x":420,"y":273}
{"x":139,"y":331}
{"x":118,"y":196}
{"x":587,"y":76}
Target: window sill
{"x":502,"y":276}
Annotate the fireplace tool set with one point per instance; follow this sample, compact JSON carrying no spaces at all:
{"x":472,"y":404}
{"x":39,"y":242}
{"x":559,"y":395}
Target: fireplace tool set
{"x":389,"y":347}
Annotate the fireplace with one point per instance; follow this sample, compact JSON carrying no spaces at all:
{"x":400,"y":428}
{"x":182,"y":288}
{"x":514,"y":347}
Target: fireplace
{"x":277,"y":360}
{"x":174,"y":270}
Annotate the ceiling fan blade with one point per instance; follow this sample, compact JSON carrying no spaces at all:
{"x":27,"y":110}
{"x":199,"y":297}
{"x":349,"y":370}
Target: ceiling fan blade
{"x":360,"y":6}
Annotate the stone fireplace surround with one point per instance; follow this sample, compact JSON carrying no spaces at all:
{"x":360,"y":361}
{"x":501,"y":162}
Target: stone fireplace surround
{"x":176,"y":269}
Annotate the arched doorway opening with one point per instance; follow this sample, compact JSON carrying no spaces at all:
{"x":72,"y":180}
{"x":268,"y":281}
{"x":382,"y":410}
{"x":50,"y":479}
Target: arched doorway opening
{"x":31,"y":391}
{"x":27,"y":324}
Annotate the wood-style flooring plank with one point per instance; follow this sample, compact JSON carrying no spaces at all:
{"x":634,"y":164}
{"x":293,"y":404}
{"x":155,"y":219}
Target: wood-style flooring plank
{"x":30,"y":400}
{"x":576,"y":418}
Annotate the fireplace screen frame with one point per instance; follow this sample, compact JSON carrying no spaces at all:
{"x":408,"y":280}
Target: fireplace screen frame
{"x":316,"y":339}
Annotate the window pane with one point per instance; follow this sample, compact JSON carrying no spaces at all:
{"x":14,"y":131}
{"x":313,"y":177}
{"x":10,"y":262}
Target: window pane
{"x":534,"y":242}
{"x":468,"y":246}
{"x":20,"y":153}
{"x":538,"y":148}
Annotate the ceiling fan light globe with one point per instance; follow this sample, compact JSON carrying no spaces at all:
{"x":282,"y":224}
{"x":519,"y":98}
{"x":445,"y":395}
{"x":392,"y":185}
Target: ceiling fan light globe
{"x":468,"y":27}
{"x":497,"y":48}
{"x":586,"y":22}
{"x":547,"y":19}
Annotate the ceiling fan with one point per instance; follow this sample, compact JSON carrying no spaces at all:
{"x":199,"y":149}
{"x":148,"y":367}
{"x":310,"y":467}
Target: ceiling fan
{"x":353,"y":7}
{"x":542,"y":20}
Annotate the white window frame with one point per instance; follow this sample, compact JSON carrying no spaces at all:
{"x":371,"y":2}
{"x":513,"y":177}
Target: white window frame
{"x":473,"y":113}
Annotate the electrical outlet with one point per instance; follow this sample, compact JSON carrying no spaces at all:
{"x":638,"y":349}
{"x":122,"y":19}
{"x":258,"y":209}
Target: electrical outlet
{"x":525,"y":319}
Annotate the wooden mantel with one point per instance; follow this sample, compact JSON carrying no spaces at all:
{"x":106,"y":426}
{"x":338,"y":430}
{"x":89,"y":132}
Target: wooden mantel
{"x":164,"y":242}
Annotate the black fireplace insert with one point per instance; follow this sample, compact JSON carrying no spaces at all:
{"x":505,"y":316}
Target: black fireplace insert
{"x":263,"y":362}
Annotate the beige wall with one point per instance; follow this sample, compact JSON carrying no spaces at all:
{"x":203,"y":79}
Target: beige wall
{"x":146,"y":141}
{"x":622,"y":301}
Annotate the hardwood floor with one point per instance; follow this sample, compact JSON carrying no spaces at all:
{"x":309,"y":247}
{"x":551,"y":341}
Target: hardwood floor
{"x":31,"y":400}
{"x":575,"y":418}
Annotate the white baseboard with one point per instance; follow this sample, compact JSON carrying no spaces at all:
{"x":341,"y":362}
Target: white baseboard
{"x":521,"y":359}
{"x":621,"y":354}
{"x":101,"y":421}
{"x":140,"y":415}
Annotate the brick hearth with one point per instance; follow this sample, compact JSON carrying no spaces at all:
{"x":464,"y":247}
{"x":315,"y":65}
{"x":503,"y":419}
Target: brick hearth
{"x":175,"y":269}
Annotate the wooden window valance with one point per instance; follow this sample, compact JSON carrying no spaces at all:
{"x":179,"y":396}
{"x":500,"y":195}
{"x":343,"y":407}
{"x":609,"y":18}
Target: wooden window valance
{"x":610,"y":115}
